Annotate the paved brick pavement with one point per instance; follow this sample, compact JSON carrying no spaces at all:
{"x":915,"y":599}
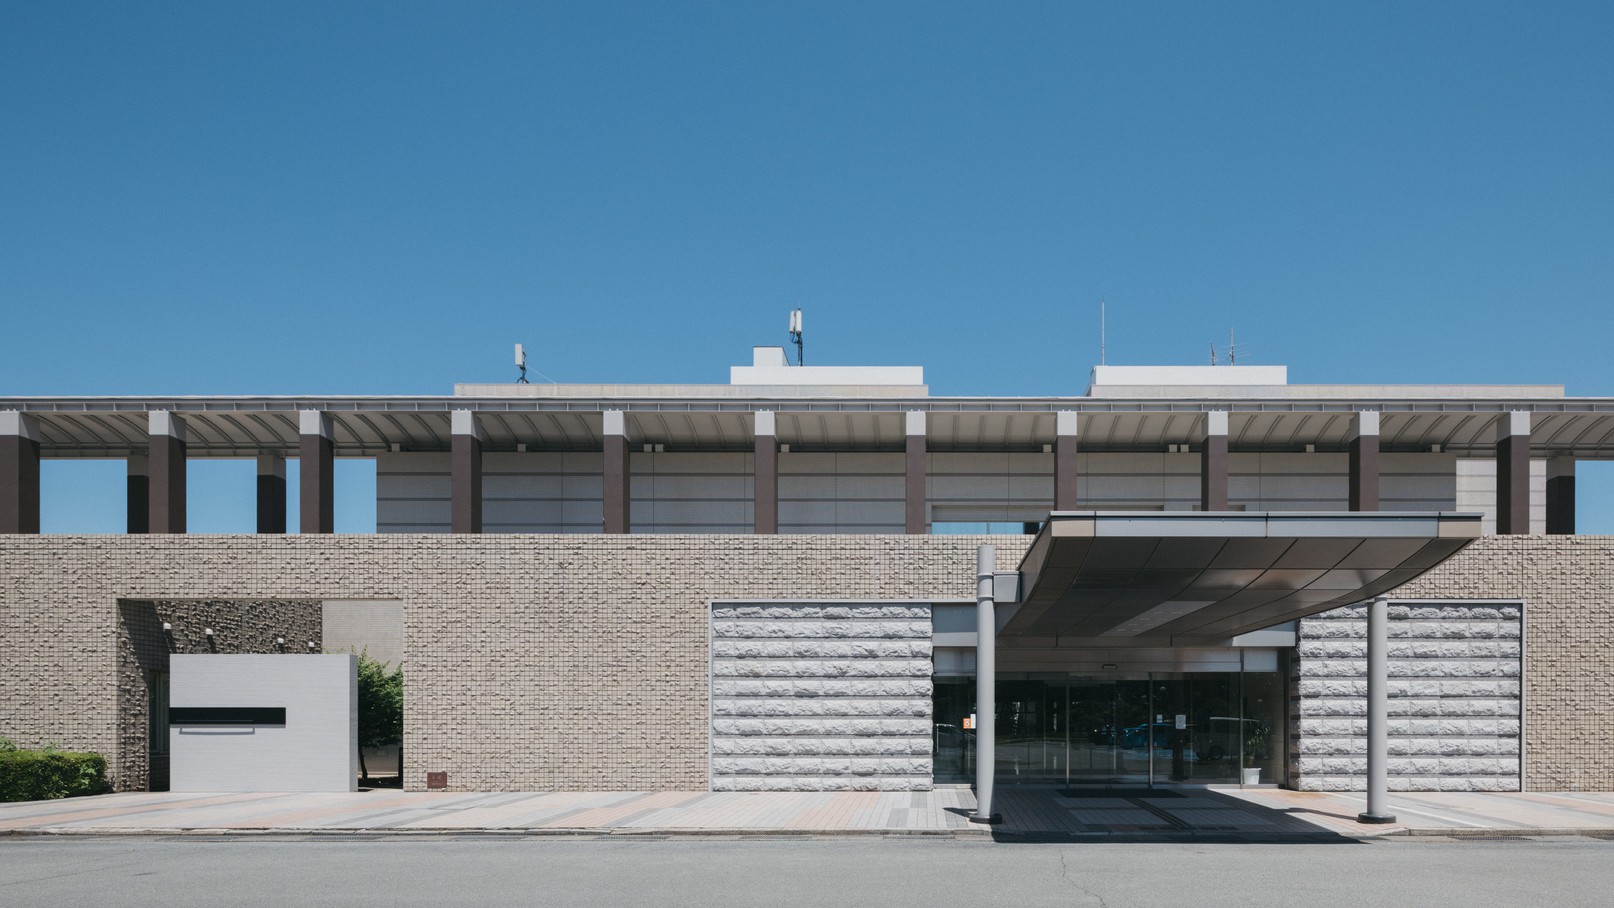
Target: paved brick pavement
{"x":1266,"y":813}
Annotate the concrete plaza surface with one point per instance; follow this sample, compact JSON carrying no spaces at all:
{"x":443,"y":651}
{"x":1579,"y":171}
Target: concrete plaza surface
{"x":1027,"y":812}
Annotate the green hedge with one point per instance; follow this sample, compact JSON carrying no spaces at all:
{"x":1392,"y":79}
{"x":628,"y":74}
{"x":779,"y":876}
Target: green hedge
{"x":35,"y":775}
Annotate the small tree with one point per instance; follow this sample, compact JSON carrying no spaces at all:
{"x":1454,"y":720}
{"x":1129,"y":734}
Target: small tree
{"x":380,"y":707}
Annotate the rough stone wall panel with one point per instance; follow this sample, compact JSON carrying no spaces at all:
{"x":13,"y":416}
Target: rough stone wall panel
{"x":855,"y":715}
{"x":1454,"y":701}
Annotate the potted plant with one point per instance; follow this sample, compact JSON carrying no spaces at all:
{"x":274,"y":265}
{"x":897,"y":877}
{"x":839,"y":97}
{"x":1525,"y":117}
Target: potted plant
{"x":1256,"y":737}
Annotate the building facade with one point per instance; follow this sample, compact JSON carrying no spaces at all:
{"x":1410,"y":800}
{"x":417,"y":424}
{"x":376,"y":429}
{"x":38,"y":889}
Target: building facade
{"x":771,"y":584}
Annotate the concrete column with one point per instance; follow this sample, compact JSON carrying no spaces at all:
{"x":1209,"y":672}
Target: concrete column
{"x":1065,"y":460}
{"x":986,"y":632}
{"x":316,"y":481}
{"x":466,"y":469}
{"x":1378,"y":714}
{"x":166,"y":463}
{"x":138,"y":488}
{"x":914,"y":469}
{"x":1213,"y":463}
{"x":617,"y":481}
{"x":1561,"y":496}
{"x":271,"y":493}
{"x":19,"y":473}
{"x":1365,"y":461}
{"x":766,"y":496}
{"x":1513,"y":473}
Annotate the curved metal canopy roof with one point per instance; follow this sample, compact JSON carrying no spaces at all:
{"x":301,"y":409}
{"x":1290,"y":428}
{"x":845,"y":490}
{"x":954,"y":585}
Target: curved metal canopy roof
{"x":1195,"y":576}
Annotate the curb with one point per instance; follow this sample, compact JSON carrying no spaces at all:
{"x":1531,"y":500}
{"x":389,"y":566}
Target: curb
{"x":1510,"y":832}
{"x":512,"y":832}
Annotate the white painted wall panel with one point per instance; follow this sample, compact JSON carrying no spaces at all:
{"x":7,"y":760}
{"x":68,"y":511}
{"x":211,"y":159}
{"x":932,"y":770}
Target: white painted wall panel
{"x":841,"y":493}
{"x":680,"y":492}
{"x":863,"y":492}
{"x":1476,"y":491}
{"x":412,"y":493}
{"x":317,"y":748}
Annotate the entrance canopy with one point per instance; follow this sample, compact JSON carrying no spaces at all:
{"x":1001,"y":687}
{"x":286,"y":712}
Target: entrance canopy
{"x":1201,"y":577}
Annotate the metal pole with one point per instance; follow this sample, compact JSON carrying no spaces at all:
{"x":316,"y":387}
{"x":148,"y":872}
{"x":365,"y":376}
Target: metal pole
{"x":986,"y":629}
{"x":1378,"y":710}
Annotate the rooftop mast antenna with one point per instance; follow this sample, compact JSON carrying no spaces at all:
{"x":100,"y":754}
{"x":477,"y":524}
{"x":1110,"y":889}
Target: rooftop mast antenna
{"x":795,"y":332}
{"x":521,"y":363}
{"x":1232,"y":351}
{"x":1101,"y":330}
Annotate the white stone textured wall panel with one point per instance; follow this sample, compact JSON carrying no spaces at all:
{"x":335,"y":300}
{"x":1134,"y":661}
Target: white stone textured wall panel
{"x":821,"y":697}
{"x":1454,"y":698}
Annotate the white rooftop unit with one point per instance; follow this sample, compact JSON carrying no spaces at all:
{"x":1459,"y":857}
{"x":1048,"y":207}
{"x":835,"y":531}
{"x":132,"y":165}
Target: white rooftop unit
{"x":769,"y":366}
{"x":1189,"y":376}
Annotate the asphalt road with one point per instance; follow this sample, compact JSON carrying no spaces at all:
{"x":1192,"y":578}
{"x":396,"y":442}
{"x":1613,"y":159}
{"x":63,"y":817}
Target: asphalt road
{"x":846,"y":871}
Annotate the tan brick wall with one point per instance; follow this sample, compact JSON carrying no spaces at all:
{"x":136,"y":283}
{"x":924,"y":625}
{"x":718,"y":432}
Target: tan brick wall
{"x":532,"y":662}
{"x":555,"y":662}
{"x":1567,"y":585}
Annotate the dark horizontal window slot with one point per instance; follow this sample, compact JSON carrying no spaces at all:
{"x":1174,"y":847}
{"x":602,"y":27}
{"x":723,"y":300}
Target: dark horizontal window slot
{"x":226,"y":715}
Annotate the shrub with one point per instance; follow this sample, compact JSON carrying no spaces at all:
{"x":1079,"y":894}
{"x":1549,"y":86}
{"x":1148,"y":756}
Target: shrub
{"x":37,"y":775}
{"x":380,"y":706}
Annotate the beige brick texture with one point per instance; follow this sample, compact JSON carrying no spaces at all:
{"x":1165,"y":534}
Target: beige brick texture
{"x":580,"y":661}
{"x":531,"y":662}
{"x":1567,"y":586}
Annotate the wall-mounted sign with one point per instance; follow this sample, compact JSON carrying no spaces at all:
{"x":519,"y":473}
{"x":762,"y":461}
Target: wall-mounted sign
{"x":226,"y":715}
{"x":969,"y":721}
{"x":1182,"y":721}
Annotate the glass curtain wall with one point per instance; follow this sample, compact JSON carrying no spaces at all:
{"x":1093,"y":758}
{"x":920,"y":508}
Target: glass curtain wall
{"x":1146,"y":729}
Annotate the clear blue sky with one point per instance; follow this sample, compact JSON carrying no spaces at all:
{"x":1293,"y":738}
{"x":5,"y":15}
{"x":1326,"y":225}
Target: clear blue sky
{"x":382,"y":198}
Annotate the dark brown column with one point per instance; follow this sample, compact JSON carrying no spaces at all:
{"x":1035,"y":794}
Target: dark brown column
{"x":1561,"y":496}
{"x":914,"y":471}
{"x":1513,"y":473}
{"x":316,"y":480}
{"x":1365,"y":462}
{"x":165,"y":463}
{"x":765,"y":507}
{"x":466,"y":468}
{"x":138,"y":486}
{"x":271,"y":493}
{"x":1213,"y":463}
{"x":614,"y":473}
{"x":1065,"y":428}
{"x":19,"y":473}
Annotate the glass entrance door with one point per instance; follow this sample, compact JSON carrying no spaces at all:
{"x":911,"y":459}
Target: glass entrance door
{"x":1159,"y":729}
{"x":1105,"y":715}
{"x":1072,"y":731}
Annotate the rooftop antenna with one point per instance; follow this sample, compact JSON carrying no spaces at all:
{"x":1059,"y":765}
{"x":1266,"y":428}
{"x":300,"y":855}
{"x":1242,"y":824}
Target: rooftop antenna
{"x":1232,"y":351}
{"x":1213,"y":353}
{"x":795,"y":332}
{"x":521,"y":363}
{"x":1101,"y":330}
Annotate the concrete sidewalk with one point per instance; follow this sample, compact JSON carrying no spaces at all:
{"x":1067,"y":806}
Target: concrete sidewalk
{"x":1028,"y":813}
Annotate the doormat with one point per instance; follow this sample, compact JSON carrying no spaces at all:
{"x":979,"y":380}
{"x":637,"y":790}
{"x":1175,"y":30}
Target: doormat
{"x":1119,"y":793}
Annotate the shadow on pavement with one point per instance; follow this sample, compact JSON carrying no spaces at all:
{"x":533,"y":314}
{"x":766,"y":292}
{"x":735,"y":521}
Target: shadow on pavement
{"x":1037,"y":814}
